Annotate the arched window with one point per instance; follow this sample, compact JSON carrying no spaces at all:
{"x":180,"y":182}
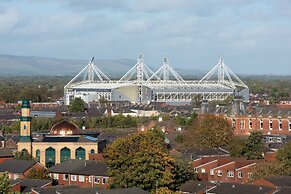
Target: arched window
{"x":65,"y":154}
{"x":92,"y":151}
{"x":50,"y":157}
{"x":37,"y":154}
{"x":80,"y":153}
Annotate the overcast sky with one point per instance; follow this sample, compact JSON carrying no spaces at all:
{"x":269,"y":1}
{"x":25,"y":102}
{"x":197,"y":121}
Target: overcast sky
{"x":253,"y":37}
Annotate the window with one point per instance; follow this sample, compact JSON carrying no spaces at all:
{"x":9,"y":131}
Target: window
{"x":261,"y":123}
{"x":24,"y":126}
{"x":202,"y":170}
{"x":280,"y":124}
{"x":65,"y":177}
{"x":56,"y":176}
{"x":250,"y":175}
{"x":230,"y":174}
{"x":92,"y":151}
{"x":242,"y":124}
{"x":239,"y":175}
{"x":96,"y":180}
{"x":270,"y":124}
{"x":219,"y":173}
{"x":211,"y":172}
{"x":233,"y":123}
{"x":81,"y":178}
{"x":104,"y":181}
{"x":73,"y":178}
{"x":16,"y":176}
{"x":250,"y":123}
{"x":289,"y":124}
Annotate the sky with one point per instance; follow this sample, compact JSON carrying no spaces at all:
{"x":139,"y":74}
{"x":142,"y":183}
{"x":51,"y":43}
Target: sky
{"x":252,"y":36}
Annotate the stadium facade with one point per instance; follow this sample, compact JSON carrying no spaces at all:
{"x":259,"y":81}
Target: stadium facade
{"x":142,"y":85}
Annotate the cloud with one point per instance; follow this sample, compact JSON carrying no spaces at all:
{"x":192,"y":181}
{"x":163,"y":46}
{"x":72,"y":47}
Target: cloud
{"x":9,"y":18}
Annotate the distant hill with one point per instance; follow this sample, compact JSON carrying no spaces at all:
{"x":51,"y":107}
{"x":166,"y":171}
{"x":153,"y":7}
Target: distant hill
{"x":29,"y":65}
{"x":22,"y":65}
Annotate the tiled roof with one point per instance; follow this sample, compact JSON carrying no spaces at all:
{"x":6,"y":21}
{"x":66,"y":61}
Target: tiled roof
{"x":16,"y":166}
{"x":81,"y":167}
{"x":5,"y":152}
{"x":233,"y":188}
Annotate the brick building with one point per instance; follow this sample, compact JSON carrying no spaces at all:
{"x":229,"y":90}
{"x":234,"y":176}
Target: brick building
{"x":223,"y":169}
{"x":84,"y":173}
{"x":19,"y":168}
{"x":270,"y":119}
{"x":5,"y":154}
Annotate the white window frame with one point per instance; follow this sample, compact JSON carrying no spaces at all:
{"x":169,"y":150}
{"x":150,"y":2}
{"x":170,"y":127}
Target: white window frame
{"x":250,"y":124}
{"x":56,"y":176}
{"x":16,"y":176}
{"x":239,"y":175}
{"x":211,"y":172}
{"x":271,"y":124}
{"x":98,"y":180}
{"x":219,"y":173}
{"x":280,"y":124}
{"x":64,"y":177}
{"x":250,"y":175}
{"x":81,"y":178}
{"x":73,"y":177}
{"x":289,"y":124}
{"x":261,"y":124}
{"x":104,"y":181}
{"x":202,"y":170}
{"x":230,"y":173}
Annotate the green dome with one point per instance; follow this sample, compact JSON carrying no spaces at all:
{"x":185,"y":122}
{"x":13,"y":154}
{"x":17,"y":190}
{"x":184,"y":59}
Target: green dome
{"x":25,"y":103}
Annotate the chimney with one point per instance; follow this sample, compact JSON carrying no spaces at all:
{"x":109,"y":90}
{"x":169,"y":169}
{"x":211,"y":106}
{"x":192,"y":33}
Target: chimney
{"x":204,"y":107}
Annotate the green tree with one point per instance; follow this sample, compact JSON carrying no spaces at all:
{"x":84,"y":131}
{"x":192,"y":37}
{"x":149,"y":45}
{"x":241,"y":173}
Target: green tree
{"x":254,"y":148}
{"x":38,"y":174}
{"x":208,"y":132}
{"x":77,"y":105}
{"x":23,"y":155}
{"x":284,"y":155}
{"x":236,"y":147}
{"x":141,"y":160}
{"x":5,"y":185}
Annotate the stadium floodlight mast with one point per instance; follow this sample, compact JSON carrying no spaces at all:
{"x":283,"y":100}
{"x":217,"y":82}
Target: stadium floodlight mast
{"x":224,"y":76}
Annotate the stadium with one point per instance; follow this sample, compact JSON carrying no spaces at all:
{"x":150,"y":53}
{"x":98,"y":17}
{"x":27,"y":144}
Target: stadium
{"x":142,"y":85}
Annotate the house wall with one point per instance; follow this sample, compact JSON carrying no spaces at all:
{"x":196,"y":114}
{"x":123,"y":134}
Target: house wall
{"x":89,"y":181}
{"x":5,"y":158}
{"x":242,"y":125}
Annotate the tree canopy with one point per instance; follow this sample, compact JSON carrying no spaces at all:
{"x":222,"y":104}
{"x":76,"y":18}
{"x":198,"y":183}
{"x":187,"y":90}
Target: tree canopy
{"x":141,"y":160}
{"x":253,"y":147}
{"x":77,"y":105}
{"x":38,"y":174}
{"x":281,"y":167}
{"x":207,"y":132}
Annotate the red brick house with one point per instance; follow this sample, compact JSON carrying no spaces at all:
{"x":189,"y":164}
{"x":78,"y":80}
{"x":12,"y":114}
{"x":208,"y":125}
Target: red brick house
{"x":5,"y":154}
{"x":223,"y":169}
{"x":84,"y":173}
{"x":19,"y":168}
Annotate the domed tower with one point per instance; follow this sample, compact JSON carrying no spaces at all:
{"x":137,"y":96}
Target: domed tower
{"x":25,"y":140}
{"x":25,"y":119}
